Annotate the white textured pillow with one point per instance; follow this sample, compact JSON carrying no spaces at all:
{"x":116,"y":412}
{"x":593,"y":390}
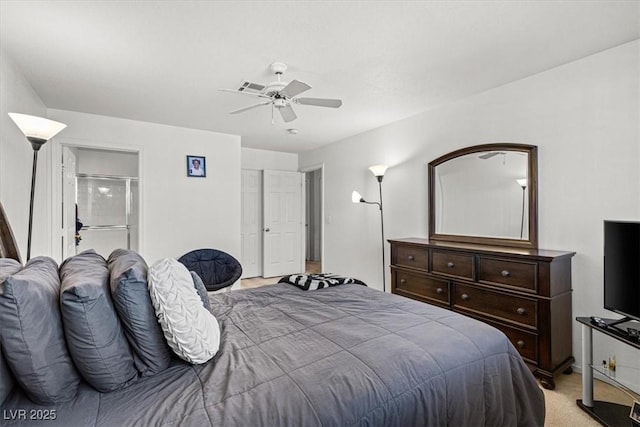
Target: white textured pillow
{"x":191,"y":331}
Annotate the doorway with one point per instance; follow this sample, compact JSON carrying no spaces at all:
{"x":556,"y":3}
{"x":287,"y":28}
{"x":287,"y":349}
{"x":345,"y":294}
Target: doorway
{"x":274,"y":224}
{"x":313,"y":220}
{"x":100,"y":200}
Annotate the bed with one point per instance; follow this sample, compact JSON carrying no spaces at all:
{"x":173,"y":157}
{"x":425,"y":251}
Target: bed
{"x":346,"y":355}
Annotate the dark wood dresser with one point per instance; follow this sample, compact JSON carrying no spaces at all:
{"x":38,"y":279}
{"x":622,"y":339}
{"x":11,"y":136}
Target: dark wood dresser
{"x":526,"y":293}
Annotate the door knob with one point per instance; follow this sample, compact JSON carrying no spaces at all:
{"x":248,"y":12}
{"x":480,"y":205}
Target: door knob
{"x":266,"y":230}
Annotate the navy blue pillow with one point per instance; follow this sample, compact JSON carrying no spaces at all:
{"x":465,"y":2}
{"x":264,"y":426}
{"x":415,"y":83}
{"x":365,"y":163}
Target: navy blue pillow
{"x":130,"y":294}
{"x":95,"y":337}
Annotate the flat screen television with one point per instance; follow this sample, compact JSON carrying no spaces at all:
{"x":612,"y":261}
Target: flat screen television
{"x":622,"y":268}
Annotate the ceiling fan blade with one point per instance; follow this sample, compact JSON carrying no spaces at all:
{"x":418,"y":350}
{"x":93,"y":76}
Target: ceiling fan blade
{"x":489,"y":155}
{"x":319,"y":102}
{"x":287,"y":113}
{"x":255,"y":95}
{"x":249,"y":107}
{"x":295,"y":87}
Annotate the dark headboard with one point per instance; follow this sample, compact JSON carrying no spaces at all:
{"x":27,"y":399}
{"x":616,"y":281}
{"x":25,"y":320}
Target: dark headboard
{"x":8,"y":247}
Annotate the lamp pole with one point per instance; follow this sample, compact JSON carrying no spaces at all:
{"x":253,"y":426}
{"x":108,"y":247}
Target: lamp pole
{"x":384,"y":276}
{"x":36,"y":143}
{"x":378,"y":171}
{"x":522,"y":182}
{"x":38,"y":131}
{"x":522,"y":215}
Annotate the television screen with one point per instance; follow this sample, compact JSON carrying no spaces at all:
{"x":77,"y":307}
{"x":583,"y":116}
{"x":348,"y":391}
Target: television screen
{"x":622,"y":268}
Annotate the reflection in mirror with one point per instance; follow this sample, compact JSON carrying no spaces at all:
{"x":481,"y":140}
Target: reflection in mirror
{"x":483,"y":194}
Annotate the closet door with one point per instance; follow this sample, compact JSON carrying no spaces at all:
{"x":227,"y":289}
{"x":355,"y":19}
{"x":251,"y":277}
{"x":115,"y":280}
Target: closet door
{"x":251,"y":227}
{"x":282,"y":219}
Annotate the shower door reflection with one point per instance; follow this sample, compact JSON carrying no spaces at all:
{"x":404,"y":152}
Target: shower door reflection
{"x":105,"y":210}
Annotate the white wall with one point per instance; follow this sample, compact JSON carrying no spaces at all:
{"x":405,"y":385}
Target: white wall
{"x":16,"y":154}
{"x":178,"y":213}
{"x":253,"y":158}
{"x":106,"y":162}
{"x":583,"y":116}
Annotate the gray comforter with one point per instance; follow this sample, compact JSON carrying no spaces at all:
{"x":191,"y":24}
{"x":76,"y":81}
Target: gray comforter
{"x":341,"y":356}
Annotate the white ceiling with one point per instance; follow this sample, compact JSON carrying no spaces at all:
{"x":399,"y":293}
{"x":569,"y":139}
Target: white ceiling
{"x":164,"y":61}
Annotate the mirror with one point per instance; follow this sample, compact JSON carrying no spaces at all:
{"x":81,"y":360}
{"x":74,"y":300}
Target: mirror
{"x":485,"y":194}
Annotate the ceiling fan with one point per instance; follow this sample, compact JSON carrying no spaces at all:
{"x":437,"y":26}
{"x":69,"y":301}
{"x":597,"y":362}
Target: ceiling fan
{"x":280,"y":95}
{"x":491,"y":154}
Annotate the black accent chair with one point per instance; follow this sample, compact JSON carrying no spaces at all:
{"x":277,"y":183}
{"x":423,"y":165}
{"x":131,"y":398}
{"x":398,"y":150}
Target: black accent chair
{"x":217,"y":269}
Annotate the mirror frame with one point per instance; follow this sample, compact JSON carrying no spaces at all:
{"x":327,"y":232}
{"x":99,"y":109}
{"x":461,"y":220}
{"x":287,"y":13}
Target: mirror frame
{"x":532,"y":193}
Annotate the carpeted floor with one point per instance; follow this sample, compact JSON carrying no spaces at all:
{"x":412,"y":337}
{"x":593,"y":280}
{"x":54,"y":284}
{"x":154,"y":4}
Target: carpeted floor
{"x":562,"y":410}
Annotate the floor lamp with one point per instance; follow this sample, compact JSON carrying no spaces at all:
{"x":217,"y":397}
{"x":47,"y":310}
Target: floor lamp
{"x":378,"y":171}
{"x":38,"y":131}
{"x":522,"y":182}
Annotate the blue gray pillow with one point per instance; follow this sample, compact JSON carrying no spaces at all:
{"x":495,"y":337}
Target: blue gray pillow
{"x":6,"y":379}
{"x":32,"y":333}
{"x":8,"y":267}
{"x":201,"y":289}
{"x":96,"y":340}
{"x":131,"y":299}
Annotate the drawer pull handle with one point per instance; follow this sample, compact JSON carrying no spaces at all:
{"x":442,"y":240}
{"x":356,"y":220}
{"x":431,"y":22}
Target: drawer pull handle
{"x":411,"y":257}
{"x":440,"y":290}
{"x":505,"y":273}
{"x":403,"y":281}
{"x":520,"y":344}
{"x":521,"y":311}
{"x":450,"y":264}
{"x":465,"y":297}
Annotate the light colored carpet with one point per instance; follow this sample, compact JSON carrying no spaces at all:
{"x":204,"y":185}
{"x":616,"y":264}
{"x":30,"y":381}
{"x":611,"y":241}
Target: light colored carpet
{"x":562,"y":410}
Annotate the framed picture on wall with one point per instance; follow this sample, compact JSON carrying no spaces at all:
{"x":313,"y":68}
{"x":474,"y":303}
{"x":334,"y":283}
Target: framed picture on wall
{"x":196,"y":166}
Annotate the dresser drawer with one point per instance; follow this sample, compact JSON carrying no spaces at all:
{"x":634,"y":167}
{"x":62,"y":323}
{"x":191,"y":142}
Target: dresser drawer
{"x":518,"y":274}
{"x":420,"y":286}
{"x":496,"y":304}
{"x":525,"y":342}
{"x":452,"y":264}
{"x":411,"y":256}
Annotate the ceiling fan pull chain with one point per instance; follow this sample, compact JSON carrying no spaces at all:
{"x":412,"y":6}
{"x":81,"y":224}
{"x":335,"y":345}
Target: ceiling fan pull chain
{"x":273,"y":122}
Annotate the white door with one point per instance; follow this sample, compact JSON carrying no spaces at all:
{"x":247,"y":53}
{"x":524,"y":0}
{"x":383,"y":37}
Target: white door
{"x":68,"y":202}
{"x":282,"y":219}
{"x":251,"y":227}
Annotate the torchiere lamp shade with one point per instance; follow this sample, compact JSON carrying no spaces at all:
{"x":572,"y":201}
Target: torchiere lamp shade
{"x":36,"y":128}
{"x":378,"y":170}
